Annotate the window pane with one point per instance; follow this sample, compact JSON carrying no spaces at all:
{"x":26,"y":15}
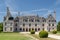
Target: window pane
{"x":29,"y":24}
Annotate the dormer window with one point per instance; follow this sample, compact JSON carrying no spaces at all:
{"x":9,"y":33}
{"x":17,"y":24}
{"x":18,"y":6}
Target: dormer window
{"x":10,"y":18}
{"x":37,"y":20}
{"x":31,"y":20}
{"x":25,"y":20}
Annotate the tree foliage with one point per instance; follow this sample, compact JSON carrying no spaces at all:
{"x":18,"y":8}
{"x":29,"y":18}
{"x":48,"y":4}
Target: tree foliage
{"x":1,"y":27}
{"x":58,"y":26}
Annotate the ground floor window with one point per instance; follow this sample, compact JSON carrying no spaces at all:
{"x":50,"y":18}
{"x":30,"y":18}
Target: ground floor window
{"x":10,"y":28}
{"x":23,"y":29}
{"x":20,"y":29}
{"x":29,"y":29}
{"x":26,"y":29}
{"x":15,"y":29}
{"x":38,"y":29}
{"x":32,"y":28}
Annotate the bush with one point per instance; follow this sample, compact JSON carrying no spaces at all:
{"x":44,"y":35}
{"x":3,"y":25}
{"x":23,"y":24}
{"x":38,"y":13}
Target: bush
{"x":43,"y":34}
{"x":32,"y":32}
{"x":54,"y":31}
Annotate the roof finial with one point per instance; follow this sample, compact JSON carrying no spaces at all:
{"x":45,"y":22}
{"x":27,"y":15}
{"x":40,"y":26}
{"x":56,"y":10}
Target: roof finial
{"x":54,"y":13}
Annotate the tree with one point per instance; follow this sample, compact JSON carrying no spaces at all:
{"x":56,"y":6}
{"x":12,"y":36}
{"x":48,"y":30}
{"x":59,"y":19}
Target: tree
{"x":58,"y":26}
{"x":1,"y":27}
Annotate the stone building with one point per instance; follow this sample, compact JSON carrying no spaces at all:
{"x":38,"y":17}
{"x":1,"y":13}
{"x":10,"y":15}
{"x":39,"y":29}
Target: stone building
{"x":27,"y":23}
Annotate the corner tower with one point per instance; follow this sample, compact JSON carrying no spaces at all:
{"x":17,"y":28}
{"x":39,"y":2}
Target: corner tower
{"x":8,"y":12}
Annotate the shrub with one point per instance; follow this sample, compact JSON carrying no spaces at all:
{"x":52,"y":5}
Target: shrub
{"x":32,"y":32}
{"x":54,"y":31}
{"x":43,"y":34}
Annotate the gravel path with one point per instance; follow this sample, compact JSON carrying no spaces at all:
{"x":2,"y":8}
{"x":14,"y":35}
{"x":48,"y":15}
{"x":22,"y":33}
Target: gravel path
{"x":50,"y":35}
{"x":27,"y":34}
{"x":54,"y":36}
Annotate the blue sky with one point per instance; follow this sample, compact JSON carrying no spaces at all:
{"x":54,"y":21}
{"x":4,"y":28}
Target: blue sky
{"x":30,"y":7}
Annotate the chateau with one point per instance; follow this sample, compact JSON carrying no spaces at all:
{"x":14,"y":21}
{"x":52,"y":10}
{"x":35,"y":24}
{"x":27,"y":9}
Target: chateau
{"x":27,"y":23}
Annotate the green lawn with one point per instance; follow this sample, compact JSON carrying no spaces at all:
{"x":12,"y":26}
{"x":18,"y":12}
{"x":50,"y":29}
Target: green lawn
{"x":37,"y":36}
{"x":13,"y":36}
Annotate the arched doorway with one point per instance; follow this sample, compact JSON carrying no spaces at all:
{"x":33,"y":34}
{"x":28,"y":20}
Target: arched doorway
{"x":35,"y":29}
{"x":32,"y":28}
{"x":23,"y":29}
{"x":29,"y":29}
{"x":26,"y":29}
{"x":20,"y":29}
{"x":38,"y":29}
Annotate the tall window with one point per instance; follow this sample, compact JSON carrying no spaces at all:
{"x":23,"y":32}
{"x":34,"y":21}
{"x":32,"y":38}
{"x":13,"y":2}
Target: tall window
{"x":35,"y":24}
{"x":49,"y":20}
{"x":38,"y":29}
{"x":31,"y":20}
{"x":23,"y":24}
{"x":16,"y":24}
{"x":52,"y":24}
{"x":42,"y":24}
{"x":10,"y":28}
{"x":30,"y":24}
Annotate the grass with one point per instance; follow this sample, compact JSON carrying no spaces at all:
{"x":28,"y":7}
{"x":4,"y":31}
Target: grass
{"x":13,"y":36}
{"x":37,"y":36}
{"x":58,"y":33}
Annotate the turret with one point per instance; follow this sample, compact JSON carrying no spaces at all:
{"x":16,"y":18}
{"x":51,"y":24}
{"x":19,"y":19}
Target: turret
{"x":54,"y":14}
{"x":8,"y":12}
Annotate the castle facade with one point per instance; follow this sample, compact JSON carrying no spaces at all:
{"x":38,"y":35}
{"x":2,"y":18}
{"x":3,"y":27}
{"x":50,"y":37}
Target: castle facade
{"x":27,"y":23}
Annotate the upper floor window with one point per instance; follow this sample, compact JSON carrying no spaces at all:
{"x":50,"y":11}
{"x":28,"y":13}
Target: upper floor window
{"x":49,"y":20}
{"x":37,"y":20}
{"x":10,"y":28}
{"x":16,"y":24}
{"x":52,"y":24}
{"x":29,"y":24}
{"x":31,"y":20}
{"x":44,"y":20}
{"x":35,"y":24}
{"x":25,"y":20}
{"x":42,"y":24}
{"x":53,"y":20}
{"x":23,"y":24}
